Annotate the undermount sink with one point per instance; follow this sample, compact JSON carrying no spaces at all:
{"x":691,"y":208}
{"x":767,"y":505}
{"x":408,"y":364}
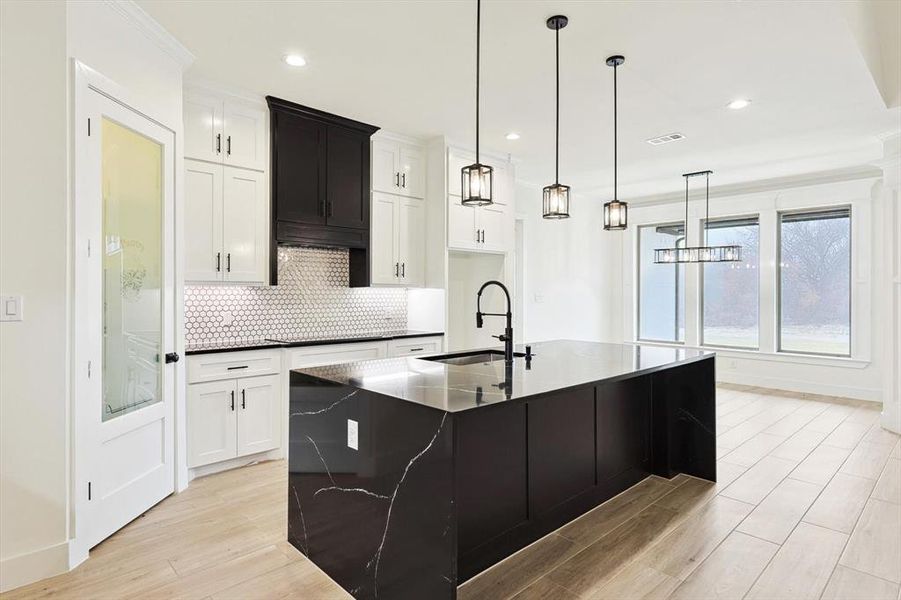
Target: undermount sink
{"x":471,"y":358}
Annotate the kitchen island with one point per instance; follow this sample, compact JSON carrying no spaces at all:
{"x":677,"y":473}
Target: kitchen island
{"x":408,"y":476}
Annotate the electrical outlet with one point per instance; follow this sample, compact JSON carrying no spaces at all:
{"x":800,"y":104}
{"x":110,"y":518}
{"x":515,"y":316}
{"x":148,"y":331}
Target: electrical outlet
{"x":353,"y":435}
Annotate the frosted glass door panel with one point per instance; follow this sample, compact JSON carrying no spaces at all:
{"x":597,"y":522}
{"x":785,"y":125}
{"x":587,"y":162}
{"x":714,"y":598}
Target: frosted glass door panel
{"x":132,"y":180}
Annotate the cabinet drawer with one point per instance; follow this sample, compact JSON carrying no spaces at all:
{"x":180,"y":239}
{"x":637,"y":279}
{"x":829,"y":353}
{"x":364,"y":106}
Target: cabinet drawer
{"x":414,"y":346}
{"x":333,"y":354}
{"x":229,"y":365}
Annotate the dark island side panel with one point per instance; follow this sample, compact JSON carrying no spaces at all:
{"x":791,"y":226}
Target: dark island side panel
{"x":379,"y":520}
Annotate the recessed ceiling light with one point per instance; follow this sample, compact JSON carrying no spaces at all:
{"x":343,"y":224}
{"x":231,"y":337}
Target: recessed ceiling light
{"x":738,"y":103}
{"x":295,"y":60}
{"x":512,"y":136}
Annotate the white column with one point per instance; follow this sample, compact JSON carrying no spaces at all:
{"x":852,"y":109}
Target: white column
{"x":888,"y":286}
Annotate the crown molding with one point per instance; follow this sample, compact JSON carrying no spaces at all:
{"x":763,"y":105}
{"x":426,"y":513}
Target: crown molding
{"x":207,"y":86}
{"x":867,"y":171}
{"x":156,"y":33}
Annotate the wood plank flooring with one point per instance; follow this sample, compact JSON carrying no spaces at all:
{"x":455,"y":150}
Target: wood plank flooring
{"x":808,"y":505}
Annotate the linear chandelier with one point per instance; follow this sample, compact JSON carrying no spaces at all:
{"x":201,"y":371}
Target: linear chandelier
{"x":698,"y":254}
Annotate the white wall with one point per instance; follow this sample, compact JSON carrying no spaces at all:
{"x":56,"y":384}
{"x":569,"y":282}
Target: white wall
{"x":857,"y":377}
{"x":572,"y":271}
{"x":33,"y":263}
{"x":38,"y":41}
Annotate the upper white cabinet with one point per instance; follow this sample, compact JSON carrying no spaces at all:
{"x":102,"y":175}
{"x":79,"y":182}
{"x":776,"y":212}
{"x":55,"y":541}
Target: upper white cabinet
{"x":398,"y":240}
{"x":398,"y":168}
{"x":226,"y":224}
{"x":481,"y":228}
{"x":225,"y":131}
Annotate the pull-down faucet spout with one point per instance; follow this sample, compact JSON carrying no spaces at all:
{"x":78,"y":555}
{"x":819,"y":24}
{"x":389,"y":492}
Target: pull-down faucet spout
{"x":507,"y":336}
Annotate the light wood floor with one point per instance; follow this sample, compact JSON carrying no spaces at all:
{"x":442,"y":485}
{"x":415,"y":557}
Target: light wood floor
{"x":808,"y":506}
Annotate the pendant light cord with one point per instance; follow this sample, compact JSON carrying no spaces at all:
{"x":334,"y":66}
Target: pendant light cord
{"x":557,"y":132}
{"x":707,"y":218}
{"x":615,"y":144}
{"x":478,"y":53}
{"x":685,"y":233}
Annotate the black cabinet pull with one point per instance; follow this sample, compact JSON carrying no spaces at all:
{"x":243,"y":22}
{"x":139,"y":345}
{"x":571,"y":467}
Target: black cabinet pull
{"x":243,"y":400}
{"x":483,"y":236}
{"x":397,"y":269}
{"x":218,"y":143}
{"x":228,"y":145}
{"x":233,"y":400}
{"x":477,"y":236}
{"x":404,"y":179}
{"x":236,"y":368}
{"x":228,"y":262}
{"x":416,"y":349}
{"x":397,"y":180}
{"x":403,"y":270}
{"x":329,"y":209}
{"x":218,"y":261}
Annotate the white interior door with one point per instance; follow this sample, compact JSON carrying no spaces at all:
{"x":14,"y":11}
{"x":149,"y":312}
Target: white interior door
{"x":245,"y":228}
{"x":203,"y":221}
{"x":123,"y":314}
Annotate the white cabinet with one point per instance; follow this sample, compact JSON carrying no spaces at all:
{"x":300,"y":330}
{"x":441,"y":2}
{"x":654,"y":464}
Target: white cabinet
{"x":259,"y":417}
{"x":415,"y":346}
{"x":333,"y":354}
{"x":225,"y":131}
{"x":397,"y":240}
{"x":398,"y":168}
{"x":233,"y":405}
{"x":211,"y":422}
{"x":226,"y":224}
{"x":477,"y":227}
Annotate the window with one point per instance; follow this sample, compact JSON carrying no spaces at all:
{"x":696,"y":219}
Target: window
{"x":815,"y":282}
{"x":729,"y":291}
{"x":661,"y":288}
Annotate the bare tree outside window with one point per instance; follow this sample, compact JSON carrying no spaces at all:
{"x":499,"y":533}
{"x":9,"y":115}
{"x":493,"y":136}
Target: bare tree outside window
{"x":815,"y":282}
{"x":730,"y":289}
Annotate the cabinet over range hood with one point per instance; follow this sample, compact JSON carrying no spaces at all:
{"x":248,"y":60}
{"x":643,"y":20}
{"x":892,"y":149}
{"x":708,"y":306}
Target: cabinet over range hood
{"x":320,"y":184}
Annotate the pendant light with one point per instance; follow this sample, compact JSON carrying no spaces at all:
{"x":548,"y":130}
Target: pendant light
{"x":615,"y":212}
{"x":477,"y":179}
{"x":703,"y":253}
{"x":555,"y":198}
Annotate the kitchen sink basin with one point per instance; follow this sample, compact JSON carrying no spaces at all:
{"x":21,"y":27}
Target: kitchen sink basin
{"x":471,"y":358}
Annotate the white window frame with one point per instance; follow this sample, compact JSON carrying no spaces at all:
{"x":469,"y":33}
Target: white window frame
{"x":638,"y":291}
{"x":854,"y":192}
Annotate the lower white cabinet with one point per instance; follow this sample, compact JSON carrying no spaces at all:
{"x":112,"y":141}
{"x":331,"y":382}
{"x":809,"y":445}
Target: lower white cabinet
{"x":333,"y":354}
{"x":415,"y":346}
{"x":233,"y":405}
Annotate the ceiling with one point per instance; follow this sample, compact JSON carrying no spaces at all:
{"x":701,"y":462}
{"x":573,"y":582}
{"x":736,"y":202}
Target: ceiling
{"x":408,"y":67}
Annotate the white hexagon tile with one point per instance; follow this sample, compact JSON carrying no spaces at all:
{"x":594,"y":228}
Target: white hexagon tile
{"x":311,"y":300}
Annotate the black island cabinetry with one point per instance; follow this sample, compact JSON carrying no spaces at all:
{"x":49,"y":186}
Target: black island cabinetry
{"x":408,"y":476}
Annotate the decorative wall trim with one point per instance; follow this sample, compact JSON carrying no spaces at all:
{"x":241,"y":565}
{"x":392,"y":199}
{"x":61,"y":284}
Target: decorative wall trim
{"x":23,"y":569}
{"x":155,"y":32}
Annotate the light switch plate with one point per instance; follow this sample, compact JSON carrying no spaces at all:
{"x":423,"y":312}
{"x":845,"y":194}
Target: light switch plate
{"x":10,"y":308}
{"x":353,"y":435}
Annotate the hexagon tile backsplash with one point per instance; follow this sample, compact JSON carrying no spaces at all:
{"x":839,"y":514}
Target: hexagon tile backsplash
{"x":311,"y":299}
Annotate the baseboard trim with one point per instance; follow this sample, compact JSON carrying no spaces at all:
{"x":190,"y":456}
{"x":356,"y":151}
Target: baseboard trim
{"x":23,"y":569}
{"x":793,"y":385}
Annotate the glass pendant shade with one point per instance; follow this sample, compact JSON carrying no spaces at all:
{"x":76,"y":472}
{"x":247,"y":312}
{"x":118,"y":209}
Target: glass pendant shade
{"x":615,"y":215}
{"x":698,"y":254}
{"x":555,"y":201}
{"x":477,"y":185}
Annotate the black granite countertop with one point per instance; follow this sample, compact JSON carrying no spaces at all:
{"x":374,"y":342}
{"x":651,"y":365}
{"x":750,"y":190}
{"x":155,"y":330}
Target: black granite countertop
{"x":292,"y":341}
{"x":555,"y":365}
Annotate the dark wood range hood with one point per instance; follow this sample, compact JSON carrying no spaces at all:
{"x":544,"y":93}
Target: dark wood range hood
{"x":320,"y":184}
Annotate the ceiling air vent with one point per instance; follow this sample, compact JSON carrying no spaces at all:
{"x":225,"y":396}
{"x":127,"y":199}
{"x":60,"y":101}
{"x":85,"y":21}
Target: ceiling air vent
{"x":665,"y":139}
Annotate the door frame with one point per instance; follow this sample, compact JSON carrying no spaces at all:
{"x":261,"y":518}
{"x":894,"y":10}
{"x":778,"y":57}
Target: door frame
{"x":85,"y":81}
